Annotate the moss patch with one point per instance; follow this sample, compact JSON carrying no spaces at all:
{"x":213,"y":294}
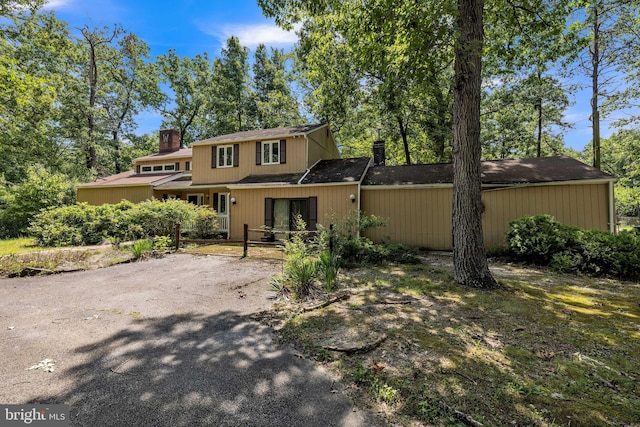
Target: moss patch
{"x":545,"y":350}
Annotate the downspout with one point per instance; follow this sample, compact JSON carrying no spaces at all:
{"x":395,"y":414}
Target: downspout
{"x":307,"y":172}
{"x":612,"y":212}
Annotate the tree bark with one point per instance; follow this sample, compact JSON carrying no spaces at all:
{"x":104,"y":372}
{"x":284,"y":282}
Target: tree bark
{"x":402,"y":126}
{"x":538,"y":107}
{"x":469,"y":257}
{"x":595,"y":63}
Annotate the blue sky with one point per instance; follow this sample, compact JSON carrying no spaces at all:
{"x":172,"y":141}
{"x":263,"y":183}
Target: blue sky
{"x":196,"y":26}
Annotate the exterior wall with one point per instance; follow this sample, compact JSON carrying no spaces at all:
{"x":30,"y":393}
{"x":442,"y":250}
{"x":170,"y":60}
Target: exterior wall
{"x":321,"y":146}
{"x":203,"y":173}
{"x":249,"y":208}
{"x":422,"y":217}
{"x":417,"y":216}
{"x":101,"y":195}
{"x":581,"y":205}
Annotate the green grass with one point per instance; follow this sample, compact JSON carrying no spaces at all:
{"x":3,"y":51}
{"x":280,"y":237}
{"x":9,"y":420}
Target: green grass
{"x":20,"y":255}
{"x":545,"y":349}
{"x":18,"y":246}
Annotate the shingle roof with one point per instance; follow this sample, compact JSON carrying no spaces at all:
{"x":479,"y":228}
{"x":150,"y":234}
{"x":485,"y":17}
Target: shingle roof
{"x":178,"y":183}
{"x":511,"y":171}
{"x":337,"y":170}
{"x":181,"y":153}
{"x":282,"y":178}
{"x":129,"y":178}
{"x":256,"y":135}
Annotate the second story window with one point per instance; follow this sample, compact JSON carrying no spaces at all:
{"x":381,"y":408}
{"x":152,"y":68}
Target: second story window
{"x":271,"y":152}
{"x":225,"y":156}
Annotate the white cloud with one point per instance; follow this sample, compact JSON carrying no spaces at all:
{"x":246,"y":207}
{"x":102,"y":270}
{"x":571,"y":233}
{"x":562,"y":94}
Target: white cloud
{"x":57,"y":4}
{"x":251,"y":35}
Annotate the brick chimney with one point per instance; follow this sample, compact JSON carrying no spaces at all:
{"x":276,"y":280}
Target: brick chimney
{"x":169,"y":140}
{"x":379,"y":158}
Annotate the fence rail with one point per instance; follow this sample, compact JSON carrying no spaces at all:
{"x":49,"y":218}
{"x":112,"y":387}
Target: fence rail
{"x":268,"y":238}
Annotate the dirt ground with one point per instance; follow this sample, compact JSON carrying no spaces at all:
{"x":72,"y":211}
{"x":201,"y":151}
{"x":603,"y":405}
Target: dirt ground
{"x":168,"y":341}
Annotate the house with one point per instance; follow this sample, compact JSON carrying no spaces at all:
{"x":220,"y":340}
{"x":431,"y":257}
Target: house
{"x":267,"y":177}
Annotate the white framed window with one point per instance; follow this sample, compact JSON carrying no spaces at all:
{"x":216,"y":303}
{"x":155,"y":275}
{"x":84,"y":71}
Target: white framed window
{"x":225,"y":156}
{"x":158,"y":168}
{"x":271,"y":152}
{"x":196,"y":199}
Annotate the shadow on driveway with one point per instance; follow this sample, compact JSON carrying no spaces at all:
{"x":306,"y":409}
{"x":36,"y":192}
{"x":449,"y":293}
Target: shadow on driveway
{"x":190,"y":369}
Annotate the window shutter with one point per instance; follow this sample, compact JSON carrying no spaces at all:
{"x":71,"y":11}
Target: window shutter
{"x":258,"y":153}
{"x":214,"y":151}
{"x":283,"y":151}
{"x":268,"y":212}
{"x":177,"y":166}
{"x":137,"y":168}
{"x":215,"y":202}
{"x":236,"y":155}
{"x":313,"y":213}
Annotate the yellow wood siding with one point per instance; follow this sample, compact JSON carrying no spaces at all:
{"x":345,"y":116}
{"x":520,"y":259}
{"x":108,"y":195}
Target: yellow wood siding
{"x":249,"y":208}
{"x":422,"y":217}
{"x":581,"y":205}
{"x":321,"y":146}
{"x":417,"y":217}
{"x":101,"y":195}
{"x":203,"y":173}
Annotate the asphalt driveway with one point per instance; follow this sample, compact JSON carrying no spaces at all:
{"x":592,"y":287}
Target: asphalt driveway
{"x":165,"y":342}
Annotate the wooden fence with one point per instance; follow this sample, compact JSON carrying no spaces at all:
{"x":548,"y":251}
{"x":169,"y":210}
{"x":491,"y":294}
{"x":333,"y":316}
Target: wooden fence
{"x":267,"y":239}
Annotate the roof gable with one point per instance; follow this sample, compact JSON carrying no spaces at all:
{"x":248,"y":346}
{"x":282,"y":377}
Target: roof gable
{"x":260,"y":134}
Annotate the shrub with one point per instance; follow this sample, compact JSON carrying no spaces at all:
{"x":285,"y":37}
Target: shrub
{"x":83,"y":224}
{"x":141,"y":247}
{"x":203,"y":225}
{"x":21,"y":202}
{"x":352,"y":248}
{"x":299,"y":270}
{"x":537,"y":238}
{"x":328,"y":267}
{"x":627,"y":200}
{"x":543,"y":240}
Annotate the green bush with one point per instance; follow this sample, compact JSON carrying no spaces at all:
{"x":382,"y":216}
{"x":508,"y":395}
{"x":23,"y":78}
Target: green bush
{"x":543,"y":240}
{"x":19,"y":203}
{"x":537,"y":238}
{"x":203,"y":225}
{"x":141,"y":248}
{"x":352,"y":248}
{"x":84,"y":224}
{"x":627,"y":200}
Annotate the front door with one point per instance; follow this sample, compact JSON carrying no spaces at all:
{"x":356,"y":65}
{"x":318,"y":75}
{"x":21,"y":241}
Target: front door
{"x":223,"y":212}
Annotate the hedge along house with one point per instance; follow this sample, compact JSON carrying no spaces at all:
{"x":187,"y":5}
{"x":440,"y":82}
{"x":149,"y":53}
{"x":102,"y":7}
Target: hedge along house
{"x":268,"y":177}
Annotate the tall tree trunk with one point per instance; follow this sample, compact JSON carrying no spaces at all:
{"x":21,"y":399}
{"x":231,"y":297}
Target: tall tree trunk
{"x":442,"y":123}
{"x":538,"y":107}
{"x":595,"y":64}
{"x":92,"y":156}
{"x":116,"y":152}
{"x":405,"y":141}
{"x":470,"y":266}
